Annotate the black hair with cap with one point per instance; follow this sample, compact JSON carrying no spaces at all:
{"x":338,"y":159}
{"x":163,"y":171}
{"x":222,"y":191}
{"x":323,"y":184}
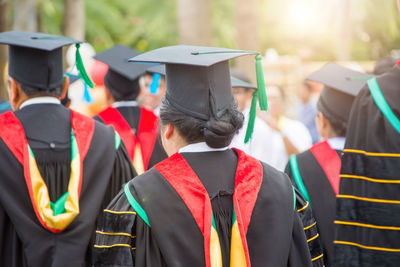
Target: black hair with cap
{"x":341,"y":85}
{"x":121,"y":88}
{"x":216,"y":132}
{"x":36,"y":91}
{"x":122,"y":78}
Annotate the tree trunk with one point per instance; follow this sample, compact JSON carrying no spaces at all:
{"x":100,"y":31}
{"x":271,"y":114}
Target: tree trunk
{"x":247,"y":37}
{"x":74,"y":19}
{"x":25,"y":15}
{"x":4,"y":20}
{"x":194,"y":19}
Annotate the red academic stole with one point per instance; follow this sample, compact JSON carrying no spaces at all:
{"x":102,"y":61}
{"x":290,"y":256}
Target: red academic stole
{"x":141,"y":146}
{"x":329,"y":161}
{"x":53,"y":216}
{"x":248,"y":181}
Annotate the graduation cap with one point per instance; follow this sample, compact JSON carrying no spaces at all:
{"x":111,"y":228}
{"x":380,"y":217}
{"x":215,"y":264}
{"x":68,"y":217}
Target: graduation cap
{"x":35,"y":59}
{"x":198,"y":78}
{"x":122,"y":78}
{"x":158,"y":69}
{"x":341,"y":85}
{"x":237,"y":83}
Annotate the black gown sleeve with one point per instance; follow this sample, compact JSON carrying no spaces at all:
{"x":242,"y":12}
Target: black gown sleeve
{"x":114,"y":243}
{"x":310,"y":229}
{"x":123,"y":238}
{"x":308,"y":222}
{"x":299,"y":254}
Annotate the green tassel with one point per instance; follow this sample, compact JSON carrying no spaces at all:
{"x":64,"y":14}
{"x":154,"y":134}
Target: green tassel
{"x":262,"y":95}
{"x":252,"y":118}
{"x":81,"y":67}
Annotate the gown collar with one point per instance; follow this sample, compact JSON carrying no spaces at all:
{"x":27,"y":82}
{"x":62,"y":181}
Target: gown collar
{"x":40,"y":100}
{"x":199,"y":147}
{"x":118,"y":104}
{"x":337,"y":143}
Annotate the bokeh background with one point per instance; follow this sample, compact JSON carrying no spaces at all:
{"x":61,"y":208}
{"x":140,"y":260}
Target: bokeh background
{"x":294,"y":36}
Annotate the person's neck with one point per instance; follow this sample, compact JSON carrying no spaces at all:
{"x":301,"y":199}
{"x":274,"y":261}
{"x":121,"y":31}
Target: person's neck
{"x":330,"y":134}
{"x":276,"y":116}
{"x":305,"y":101}
{"x":37,"y":100}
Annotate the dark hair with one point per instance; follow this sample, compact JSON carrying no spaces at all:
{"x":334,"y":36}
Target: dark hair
{"x":33,"y":91}
{"x":127,"y":97}
{"x":216,"y":132}
{"x":338,"y":126}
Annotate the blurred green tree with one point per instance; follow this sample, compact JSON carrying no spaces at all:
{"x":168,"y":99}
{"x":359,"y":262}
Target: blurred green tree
{"x":142,"y":24}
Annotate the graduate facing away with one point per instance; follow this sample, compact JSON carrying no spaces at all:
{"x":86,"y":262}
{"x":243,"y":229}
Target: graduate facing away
{"x":136,"y":125}
{"x":58,"y":168}
{"x":206,"y":205}
{"x":315,"y":172}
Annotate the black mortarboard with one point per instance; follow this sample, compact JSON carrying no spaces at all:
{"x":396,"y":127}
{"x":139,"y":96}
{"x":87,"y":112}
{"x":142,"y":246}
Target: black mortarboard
{"x":341,"y":85}
{"x":242,"y":84}
{"x":197,"y":78}
{"x":35,"y":59}
{"x":159,"y":69}
{"x":122,"y":78}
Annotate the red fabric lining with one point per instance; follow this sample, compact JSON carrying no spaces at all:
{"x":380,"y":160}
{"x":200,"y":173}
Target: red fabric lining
{"x":329,"y":161}
{"x":83,"y":127}
{"x":15,"y":139}
{"x":248,"y":181}
{"x":13,"y":135}
{"x":147,"y":134}
{"x":182,"y":178}
{"x":398,"y":62}
{"x":111,"y":116}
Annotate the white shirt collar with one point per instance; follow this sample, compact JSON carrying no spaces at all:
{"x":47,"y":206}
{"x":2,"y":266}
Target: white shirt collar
{"x":119,"y":104}
{"x":40,"y":100}
{"x":157,"y":111}
{"x":337,"y":143}
{"x":199,"y":147}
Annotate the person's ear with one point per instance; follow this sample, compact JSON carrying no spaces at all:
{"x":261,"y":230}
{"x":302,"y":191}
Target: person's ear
{"x":65,"y":87}
{"x":169,"y":131}
{"x":325,"y":122}
{"x":13,"y":93}
{"x":110,"y":99}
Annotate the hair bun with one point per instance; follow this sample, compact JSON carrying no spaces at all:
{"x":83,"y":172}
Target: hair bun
{"x":219,"y":133}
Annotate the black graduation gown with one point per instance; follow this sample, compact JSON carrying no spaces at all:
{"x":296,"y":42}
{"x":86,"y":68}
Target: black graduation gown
{"x":23,"y":240}
{"x":322,"y":198}
{"x":132,"y":116}
{"x":368,"y":210}
{"x":275,"y":235}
